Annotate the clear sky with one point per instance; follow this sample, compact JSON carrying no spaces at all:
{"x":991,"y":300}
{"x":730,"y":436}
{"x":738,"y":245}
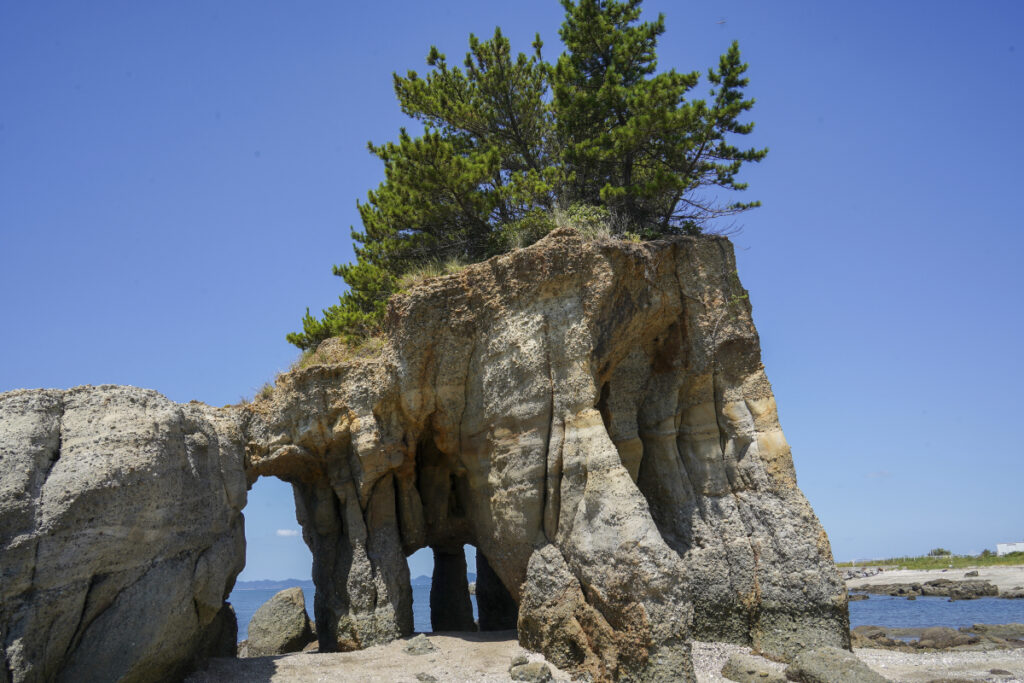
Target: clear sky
{"x":176,"y":180}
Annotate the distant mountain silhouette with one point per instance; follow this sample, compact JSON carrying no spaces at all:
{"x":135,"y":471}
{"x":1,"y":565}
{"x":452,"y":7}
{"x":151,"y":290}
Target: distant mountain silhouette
{"x":424,"y":580}
{"x":281,"y":584}
{"x":272,"y":584}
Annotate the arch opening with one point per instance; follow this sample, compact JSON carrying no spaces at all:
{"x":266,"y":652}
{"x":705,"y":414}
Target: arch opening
{"x":451,"y":522}
{"x":276,"y":557}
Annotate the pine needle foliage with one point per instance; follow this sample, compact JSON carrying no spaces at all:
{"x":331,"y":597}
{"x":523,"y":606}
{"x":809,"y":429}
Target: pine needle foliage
{"x":509,"y":141}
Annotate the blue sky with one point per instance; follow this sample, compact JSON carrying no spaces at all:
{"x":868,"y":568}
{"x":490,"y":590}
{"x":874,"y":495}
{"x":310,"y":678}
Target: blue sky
{"x":176,"y":180}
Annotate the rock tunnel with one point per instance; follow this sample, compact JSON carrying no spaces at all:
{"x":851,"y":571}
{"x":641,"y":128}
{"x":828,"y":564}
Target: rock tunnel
{"x":363,"y":590}
{"x":594,"y":418}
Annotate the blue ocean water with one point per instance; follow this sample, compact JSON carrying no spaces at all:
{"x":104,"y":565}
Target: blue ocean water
{"x":877,"y":610}
{"x":886,"y":610}
{"x":246,"y":602}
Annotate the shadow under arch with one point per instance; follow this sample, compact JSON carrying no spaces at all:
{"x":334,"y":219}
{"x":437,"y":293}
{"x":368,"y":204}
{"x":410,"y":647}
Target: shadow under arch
{"x":360,"y":536}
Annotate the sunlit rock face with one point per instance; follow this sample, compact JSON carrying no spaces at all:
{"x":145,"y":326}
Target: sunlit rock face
{"x":120,"y":534}
{"x":594,"y":417}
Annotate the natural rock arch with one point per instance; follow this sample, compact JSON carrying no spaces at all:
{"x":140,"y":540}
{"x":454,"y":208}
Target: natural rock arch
{"x":592,"y":416}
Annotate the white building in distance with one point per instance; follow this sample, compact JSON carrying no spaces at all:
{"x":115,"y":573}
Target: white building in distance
{"x":1007,"y":548}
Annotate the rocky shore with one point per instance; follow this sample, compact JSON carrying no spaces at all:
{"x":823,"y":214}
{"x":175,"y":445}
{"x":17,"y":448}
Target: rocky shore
{"x":962,"y":584}
{"x":976,"y":638}
{"x":944,"y":588}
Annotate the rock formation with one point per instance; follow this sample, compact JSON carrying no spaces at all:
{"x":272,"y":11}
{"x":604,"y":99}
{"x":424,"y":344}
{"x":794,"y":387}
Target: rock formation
{"x":280,"y":625}
{"x":120,"y":534}
{"x":595,"y":419}
{"x":593,"y":416}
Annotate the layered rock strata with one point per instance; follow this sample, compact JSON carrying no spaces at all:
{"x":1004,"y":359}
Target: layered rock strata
{"x":120,"y":534}
{"x":594,"y":418}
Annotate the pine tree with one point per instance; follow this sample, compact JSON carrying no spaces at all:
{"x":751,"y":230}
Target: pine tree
{"x":632,"y":141}
{"x":506,"y":140}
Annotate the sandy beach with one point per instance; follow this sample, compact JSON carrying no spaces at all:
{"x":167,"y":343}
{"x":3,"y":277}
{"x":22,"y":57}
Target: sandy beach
{"x":1005,"y":578}
{"x":486,"y":657}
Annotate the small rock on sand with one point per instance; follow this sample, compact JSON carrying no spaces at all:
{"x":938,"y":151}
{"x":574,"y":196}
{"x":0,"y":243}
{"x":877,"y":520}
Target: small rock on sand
{"x":531,"y":672}
{"x":830,"y":665}
{"x":744,"y":668}
{"x":420,"y":645}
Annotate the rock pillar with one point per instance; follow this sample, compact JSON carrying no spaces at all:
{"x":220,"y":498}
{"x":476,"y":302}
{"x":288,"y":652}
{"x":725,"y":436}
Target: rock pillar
{"x":450,"y":606}
{"x":498,"y":611}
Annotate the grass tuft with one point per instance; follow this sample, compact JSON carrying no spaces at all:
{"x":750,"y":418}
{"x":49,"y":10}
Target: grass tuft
{"x":335,"y":350}
{"x":429,"y":270}
{"x":942,"y":562}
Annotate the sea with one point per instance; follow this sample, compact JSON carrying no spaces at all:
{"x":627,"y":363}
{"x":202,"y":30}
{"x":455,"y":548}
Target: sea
{"x":247,"y":600}
{"x":877,"y":610}
{"x":886,"y":610}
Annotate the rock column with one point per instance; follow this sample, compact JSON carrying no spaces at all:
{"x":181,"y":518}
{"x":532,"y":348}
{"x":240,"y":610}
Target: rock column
{"x":498,"y":611}
{"x":450,"y":606}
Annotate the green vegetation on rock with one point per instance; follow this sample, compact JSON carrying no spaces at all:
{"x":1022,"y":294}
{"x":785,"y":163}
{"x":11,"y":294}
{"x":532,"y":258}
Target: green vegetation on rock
{"x":511,"y":145}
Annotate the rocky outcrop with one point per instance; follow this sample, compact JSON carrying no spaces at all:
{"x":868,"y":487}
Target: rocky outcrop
{"x":593,"y":416}
{"x":861,"y":573}
{"x":973,"y":638}
{"x":120,"y":534}
{"x":966,"y":589}
{"x":280,"y":625}
{"x":595,"y":419}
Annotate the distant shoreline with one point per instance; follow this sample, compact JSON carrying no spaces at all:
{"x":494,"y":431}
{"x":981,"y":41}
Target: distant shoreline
{"x":1008,"y":579}
{"x":281,"y":584}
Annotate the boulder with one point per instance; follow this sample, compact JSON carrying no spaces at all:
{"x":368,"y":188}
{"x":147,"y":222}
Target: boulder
{"x":280,"y":625}
{"x":942,"y":638}
{"x":744,"y":668}
{"x":1007,"y":631}
{"x":531,"y":672}
{"x":875,"y":637}
{"x":420,"y":645}
{"x":120,"y":533}
{"x":830,"y":665}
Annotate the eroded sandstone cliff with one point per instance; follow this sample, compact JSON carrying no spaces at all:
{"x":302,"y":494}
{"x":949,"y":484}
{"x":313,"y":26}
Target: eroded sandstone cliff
{"x":593,"y":416}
